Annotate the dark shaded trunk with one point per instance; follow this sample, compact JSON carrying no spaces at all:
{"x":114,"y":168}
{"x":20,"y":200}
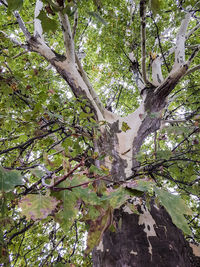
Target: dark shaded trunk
{"x":157,"y":242}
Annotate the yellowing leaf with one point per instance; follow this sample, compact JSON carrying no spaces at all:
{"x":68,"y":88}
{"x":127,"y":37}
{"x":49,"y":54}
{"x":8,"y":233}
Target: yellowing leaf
{"x":125,"y":127}
{"x":97,"y":228}
{"x":37,"y":206}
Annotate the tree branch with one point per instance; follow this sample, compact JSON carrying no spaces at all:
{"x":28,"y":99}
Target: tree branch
{"x":143,"y":38}
{"x":87,"y":82}
{"x":75,"y":24}
{"x":68,"y":38}
{"x":172,"y":49}
{"x":160,"y":45}
{"x":138,"y":77}
{"x":157,"y":71}
{"x":180,"y":43}
{"x":38,"y":31}
{"x":20,"y":232}
{"x":22,"y":26}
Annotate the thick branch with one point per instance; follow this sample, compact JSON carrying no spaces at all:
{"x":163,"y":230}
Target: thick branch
{"x":172,"y":49}
{"x":180,"y":42}
{"x":157,"y":71}
{"x":138,"y":77}
{"x":169,"y":83}
{"x":68,"y":38}
{"x":37,"y":23}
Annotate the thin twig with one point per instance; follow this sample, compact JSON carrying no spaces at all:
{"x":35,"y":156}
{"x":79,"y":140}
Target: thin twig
{"x":159,"y":42}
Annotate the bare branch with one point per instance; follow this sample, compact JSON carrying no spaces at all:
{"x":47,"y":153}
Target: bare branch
{"x":172,"y":49}
{"x":138,"y":77}
{"x":180,"y":42}
{"x":68,"y":38}
{"x":160,"y":45}
{"x":143,"y":38}
{"x":170,"y":82}
{"x":22,"y":25}
{"x":157,"y":71}
{"x":38,"y":31}
{"x":75,"y":24}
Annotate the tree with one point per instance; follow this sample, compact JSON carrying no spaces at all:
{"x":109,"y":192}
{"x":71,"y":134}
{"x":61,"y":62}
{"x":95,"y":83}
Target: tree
{"x":120,"y":155}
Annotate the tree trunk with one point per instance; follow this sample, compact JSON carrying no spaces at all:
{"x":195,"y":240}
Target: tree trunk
{"x":148,"y":239}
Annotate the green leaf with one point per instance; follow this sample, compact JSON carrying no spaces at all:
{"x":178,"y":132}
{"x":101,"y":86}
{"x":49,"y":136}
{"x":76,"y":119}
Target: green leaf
{"x":47,"y":23}
{"x":9,"y":179}
{"x":125,"y":127}
{"x":117,"y":198}
{"x":155,"y":6}
{"x":176,"y":207}
{"x":37,"y":172}
{"x":96,"y":170}
{"x":164,"y":154}
{"x":92,"y":213}
{"x":69,"y":212}
{"x":14,"y":4}
{"x":37,"y":206}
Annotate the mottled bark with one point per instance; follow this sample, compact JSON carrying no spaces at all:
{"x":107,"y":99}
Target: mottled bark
{"x":144,"y":240}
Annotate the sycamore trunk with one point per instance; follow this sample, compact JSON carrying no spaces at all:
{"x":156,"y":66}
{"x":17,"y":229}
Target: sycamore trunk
{"x":148,"y":238}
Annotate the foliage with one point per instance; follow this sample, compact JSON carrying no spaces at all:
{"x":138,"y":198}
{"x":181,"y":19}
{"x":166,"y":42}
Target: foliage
{"x":51,"y":191}
{"x":9,"y":179}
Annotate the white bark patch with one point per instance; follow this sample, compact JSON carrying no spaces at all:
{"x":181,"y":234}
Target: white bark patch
{"x":195,"y":249}
{"x":180,"y":42}
{"x":100,"y":246}
{"x":127,"y":210}
{"x":133,"y":252}
{"x":157,"y":72}
{"x":148,"y":221}
{"x":110,"y":117}
{"x":37,"y":23}
{"x":125,"y":139}
{"x":71,"y":69}
{"x":44,"y":50}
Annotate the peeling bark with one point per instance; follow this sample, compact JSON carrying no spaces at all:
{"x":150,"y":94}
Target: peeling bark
{"x":145,"y":240}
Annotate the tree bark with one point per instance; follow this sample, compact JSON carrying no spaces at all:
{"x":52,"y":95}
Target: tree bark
{"x":149,"y":239}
